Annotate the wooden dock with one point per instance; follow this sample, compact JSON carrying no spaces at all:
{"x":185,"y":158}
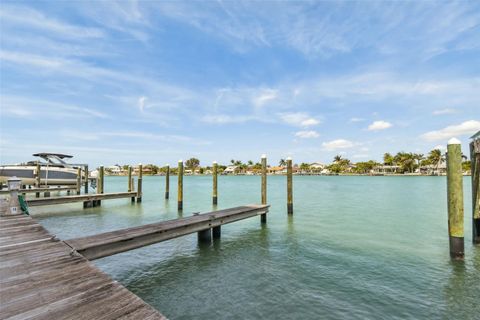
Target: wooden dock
{"x":105,"y":244}
{"x":85,"y":198}
{"x":42,"y":278}
{"x":45,"y":189}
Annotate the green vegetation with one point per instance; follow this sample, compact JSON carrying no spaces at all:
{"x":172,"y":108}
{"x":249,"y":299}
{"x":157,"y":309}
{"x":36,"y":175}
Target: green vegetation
{"x":400,"y":163}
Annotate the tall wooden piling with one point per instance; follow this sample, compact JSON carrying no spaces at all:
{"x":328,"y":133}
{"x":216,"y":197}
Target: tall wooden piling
{"x":475,"y":167}
{"x":167,"y":181}
{"x":86,"y":179}
{"x":131,"y":186}
{"x":180,"y":185}
{"x":215,"y":183}
{"x":289,"y":186}
{"x":100,"y":183}
{"x":139,"y":183}
{"x":455,"y":199}
{"x":38,"y":180}
{"x":263,"y":217}
{"x":79,"y":179}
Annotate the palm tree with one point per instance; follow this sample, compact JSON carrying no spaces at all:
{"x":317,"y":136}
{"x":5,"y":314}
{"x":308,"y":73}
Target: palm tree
{"x":282,"y":163}
{"x":435,"y":157}
{"x":388,"y":159}
{"x":419,"y":157}
{"x":337,"y":158}
{"x":250,"y":162}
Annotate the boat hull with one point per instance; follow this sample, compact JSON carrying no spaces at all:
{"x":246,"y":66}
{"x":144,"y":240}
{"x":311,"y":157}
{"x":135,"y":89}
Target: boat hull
{"x":48,"y":175}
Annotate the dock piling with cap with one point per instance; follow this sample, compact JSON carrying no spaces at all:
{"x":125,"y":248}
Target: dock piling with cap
{"x":37,"y":179}
{"x":263,"y":217}
{"x":455,"y":199}
{"x":475,"y":168}
{"x":139,"y":183}
{"x":167,"y":181}
{"x":215,"y":183}
{"x":130,"y":182}
{"x":86,"y":179}
{"x":79,"y":179}
{"x":180,"y":185}
{"x":289,"y":186}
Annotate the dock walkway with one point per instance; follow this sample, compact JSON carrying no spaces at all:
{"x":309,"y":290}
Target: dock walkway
{"x":42,"y":278}
{"x":108,"y":243}
{"x":80,"y":198}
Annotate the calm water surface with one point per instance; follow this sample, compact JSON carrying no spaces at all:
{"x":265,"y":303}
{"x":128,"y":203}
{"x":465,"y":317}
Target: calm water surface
{"x":356,"y":248}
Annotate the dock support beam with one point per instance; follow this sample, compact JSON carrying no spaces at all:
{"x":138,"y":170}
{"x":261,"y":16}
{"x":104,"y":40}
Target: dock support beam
{"x":205,"y":236}
{"x":475,"y":167}
{"x":86,"y":179}
{"x":38,"y":180}
{"x":263,"y":217}
{"x":139,"y":183}
{"x":180,"y":185}
{"x":215,"y":183}
{"x":167,"y":182}
{"x":455,"y":199}
{"x":289,"y":186}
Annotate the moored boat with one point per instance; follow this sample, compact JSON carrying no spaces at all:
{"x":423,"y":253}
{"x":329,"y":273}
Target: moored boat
{"x":53,"y":171}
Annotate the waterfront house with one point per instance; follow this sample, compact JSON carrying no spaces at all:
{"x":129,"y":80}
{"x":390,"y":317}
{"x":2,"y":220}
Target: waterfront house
{"x":386,"y":169}
{"x":275,"y":170}
{"x":230,"y":170}
{"x":114,"y":170}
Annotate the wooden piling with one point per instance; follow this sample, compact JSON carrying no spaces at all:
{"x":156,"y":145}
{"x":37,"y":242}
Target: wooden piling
{"x":129,"y":178}
{"x":263,"y":217}
{"x":100,"y":183}
{"x":167,"y":181}
{"x":139,"y":183}
{"x":86,"y":179}
{"x":131,"y":186}
{"x":180,"y":185}
{"x":205,"y":236}
{"x":475,"y":167}
{"x":455,"y":199}
{"x":79,"y":179}
{"x":216,"y":232}
{"x":289,"y":186}
{"x":38,"y":179}
{"x":215,"y":183}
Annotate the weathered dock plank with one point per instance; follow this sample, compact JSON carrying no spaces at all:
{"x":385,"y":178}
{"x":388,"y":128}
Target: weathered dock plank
{"x":105,"y":244}
{"x":79,"y":198}
{"x":46,"y":189}
{"x":41,"y":278}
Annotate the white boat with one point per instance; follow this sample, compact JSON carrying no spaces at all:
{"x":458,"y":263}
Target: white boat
{"x":54,"y":171}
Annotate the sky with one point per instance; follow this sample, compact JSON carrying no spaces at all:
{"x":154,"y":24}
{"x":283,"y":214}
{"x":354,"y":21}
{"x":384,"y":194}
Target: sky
{"x":153,"y":82}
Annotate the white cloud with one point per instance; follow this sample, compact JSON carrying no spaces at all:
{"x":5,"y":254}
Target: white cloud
{"x":307,"y":134}
{"x":224,"y":119}
{"x":24,"y":16}
{"x":300,"y":119}
{"x":338,"y":144}
{"x":264,"y":97}
{"x":379,"y":125}
{"x":467,"y":127}
{"x":141,"y":103}
{"x":441,"y":147}
{"x":356,"y":119}
{"x":444,"y":111}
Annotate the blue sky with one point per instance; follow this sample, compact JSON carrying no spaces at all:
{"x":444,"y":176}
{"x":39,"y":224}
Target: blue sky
{"x":154,"y":82}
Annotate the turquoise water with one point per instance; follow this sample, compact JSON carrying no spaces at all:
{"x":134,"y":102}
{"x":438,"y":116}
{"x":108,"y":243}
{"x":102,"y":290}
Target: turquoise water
{"x":355,"y":248}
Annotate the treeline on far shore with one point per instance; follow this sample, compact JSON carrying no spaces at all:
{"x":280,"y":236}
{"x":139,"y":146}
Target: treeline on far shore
{"x":401,"y":163}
